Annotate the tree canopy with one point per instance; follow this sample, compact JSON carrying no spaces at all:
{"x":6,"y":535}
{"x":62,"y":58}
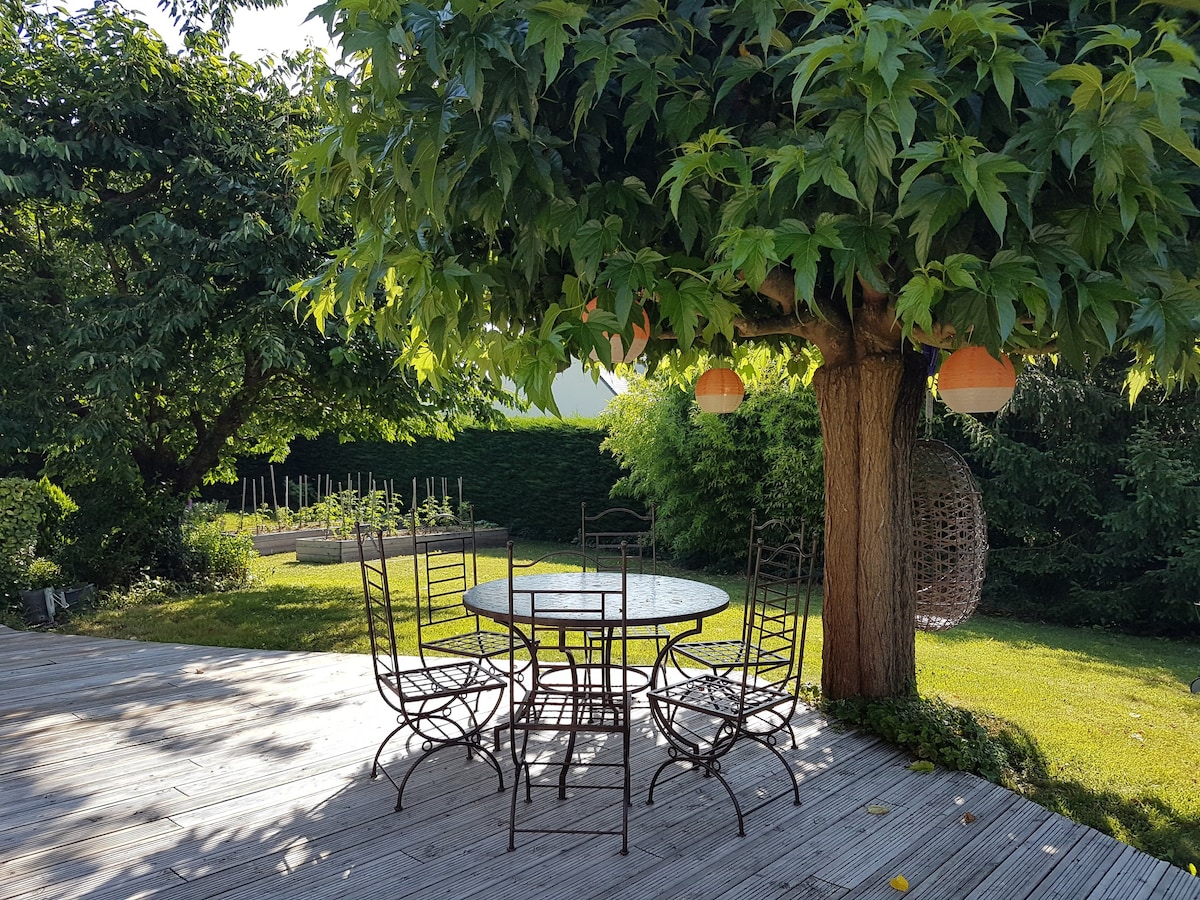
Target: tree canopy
{"x":147,"y":247}
{"x":1016,"y":175}
{"x":832,"y":183}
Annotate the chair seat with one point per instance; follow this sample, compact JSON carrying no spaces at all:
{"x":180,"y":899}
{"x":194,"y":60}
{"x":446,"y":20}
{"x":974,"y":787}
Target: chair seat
{"x":547,"y":709}
{"x":719,"y":654}
{"x":722,"y":697}
{"x":449,"y":680}
{"x":480,"y":644}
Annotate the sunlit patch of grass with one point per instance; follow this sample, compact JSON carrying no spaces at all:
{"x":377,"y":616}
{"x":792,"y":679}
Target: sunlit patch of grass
{"x":1111,"y":715}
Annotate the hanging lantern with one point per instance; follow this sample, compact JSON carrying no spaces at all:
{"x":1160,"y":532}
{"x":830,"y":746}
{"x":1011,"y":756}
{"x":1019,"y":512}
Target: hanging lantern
{"x":972,"y":380}
{"x":719,"y":391}
{"x":641,"y":336}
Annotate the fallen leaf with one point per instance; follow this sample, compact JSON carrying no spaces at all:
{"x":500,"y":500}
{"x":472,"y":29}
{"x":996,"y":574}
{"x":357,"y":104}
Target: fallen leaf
{"x":1192,"y":868}
{"x":900,"y":883}
{"x":1135,"y":715}
{"x":968,"y":818}
{"x":877,"y":810}
{"x":1137,"y":736}
{"x":922,"y":765}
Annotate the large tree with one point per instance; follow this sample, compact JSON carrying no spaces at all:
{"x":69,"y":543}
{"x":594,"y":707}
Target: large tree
{"x":842,"y":182}
{"x":148,"y":245}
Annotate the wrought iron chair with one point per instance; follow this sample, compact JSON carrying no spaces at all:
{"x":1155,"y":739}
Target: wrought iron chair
{"x":444,"y":705}
{"x":601,"y":536}
{"x":768,"y":638}
{"x":444,"y":566}
{"x":583,"y":699}
{"x":704,"y":717}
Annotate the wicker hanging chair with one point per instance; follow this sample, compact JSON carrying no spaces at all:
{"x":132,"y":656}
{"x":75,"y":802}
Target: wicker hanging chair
{"x":949,"y":536}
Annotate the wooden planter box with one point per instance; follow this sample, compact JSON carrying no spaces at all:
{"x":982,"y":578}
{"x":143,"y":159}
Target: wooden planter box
{"x":268,"y":543}
{"x":333,"y":550}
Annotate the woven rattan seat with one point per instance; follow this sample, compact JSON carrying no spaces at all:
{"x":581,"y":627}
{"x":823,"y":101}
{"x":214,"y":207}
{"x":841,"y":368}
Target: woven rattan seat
{"x":949,"y":537}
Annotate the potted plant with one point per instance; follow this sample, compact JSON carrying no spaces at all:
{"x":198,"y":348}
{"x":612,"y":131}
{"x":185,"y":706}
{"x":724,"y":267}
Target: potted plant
{"x":41,"y":596}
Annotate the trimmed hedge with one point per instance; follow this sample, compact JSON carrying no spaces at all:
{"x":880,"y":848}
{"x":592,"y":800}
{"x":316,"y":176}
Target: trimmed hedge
{"x":530,"y":478}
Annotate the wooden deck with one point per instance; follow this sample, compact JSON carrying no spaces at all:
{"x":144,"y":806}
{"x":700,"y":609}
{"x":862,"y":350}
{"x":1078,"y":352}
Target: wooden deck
{"x":151,"y":770}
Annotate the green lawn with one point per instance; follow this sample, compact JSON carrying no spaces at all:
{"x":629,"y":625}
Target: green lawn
{"x":1111,"y":715}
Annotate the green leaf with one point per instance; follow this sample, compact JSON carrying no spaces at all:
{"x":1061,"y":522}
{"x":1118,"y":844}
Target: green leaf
{"x":917,"y":298}
{"x":802,"y":251}
{"x":934,"y":204}
{"x":1090,"y":82}
{"x":750,"y":251}
{"x":922,"y":765}
{"x":550,"y":23}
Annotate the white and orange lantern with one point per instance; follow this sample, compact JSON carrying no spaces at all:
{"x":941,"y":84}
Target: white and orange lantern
{"x":641,"y":336}
{"x":971,"y":380}
{"x":719,"y":391}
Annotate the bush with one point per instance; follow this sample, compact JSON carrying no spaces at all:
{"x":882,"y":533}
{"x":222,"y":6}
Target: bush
{"x":21,"y":510}
{"x":216,"y":560}
{"x":705,"y":473}
{"x":946,"y":735}
{"x":123,"y":533}
{"x":1093,"y":507}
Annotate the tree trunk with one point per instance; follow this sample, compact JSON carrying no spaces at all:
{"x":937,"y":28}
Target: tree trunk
{"x":869,"y":406}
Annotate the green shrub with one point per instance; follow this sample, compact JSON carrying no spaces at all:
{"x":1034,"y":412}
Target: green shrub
{"x":44,"y":573}
{"x":123,"y":533}
{"x":216,"y":560}
{"x":946,"y":735}
{"x":705,"y":473}
{"x":21,"y":509}
{"x":1093,"y":507}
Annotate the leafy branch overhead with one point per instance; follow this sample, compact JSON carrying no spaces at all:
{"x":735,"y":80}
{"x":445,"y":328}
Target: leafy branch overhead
{"x":840,"y":174}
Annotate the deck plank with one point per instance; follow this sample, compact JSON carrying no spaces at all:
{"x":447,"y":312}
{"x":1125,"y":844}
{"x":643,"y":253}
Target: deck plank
{"x":172,"y":772}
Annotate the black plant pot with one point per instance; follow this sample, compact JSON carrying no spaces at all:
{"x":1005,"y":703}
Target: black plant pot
{"x":37,"y":611}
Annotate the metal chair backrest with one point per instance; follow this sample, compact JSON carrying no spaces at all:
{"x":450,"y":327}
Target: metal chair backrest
{"x":381,"y":620}
{"x":444,"y":566}
{"x":602,"y":534}
{"x":555,"y":610}
{"x":780,"y":599}
{"x":756,"y":623}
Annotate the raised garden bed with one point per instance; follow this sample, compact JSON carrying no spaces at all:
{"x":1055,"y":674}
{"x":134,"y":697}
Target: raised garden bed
{"x":268,"y":543}
{"x":333,"y":550}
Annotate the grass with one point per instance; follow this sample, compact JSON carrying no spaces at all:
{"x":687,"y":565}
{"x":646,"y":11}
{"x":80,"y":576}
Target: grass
{"x":1113,"y":730}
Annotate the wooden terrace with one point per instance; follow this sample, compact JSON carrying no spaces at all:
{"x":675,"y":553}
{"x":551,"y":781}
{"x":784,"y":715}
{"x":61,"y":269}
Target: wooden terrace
{"x":151,"y":770}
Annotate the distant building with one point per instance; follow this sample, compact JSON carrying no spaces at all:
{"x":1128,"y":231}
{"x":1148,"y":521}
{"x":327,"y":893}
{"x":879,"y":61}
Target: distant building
{"x":577,"y":395}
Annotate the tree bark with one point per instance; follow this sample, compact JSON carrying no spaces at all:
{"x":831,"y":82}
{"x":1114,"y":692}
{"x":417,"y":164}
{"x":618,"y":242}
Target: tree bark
{"x":869,"y":401}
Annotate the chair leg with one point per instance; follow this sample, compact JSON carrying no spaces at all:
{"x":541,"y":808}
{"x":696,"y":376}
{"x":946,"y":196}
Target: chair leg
{"x":628,"y":798}
{"x":566,"y":767}
{"x":783,"y":762}
{"x":375,"y":767}
{"x":484,"y":754}
{"x":512,"y":806}
{"x":710,"y":771}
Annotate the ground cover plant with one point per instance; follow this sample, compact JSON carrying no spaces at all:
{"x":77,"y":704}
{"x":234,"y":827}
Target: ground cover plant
{"x":1099,"y":726}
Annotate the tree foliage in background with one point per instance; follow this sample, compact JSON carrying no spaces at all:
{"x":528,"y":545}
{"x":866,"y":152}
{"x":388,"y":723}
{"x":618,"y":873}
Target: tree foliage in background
{"x":841,"y":180}
{"x":706,"y":473}
{"x":147,"y":248}
{"x":1093,"y":507}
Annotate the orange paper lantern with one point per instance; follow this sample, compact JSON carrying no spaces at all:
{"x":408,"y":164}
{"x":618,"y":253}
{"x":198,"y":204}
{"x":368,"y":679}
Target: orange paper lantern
{"x":972,"y":380}
{"x":641,"y":336}
{"x":719,"y":391}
